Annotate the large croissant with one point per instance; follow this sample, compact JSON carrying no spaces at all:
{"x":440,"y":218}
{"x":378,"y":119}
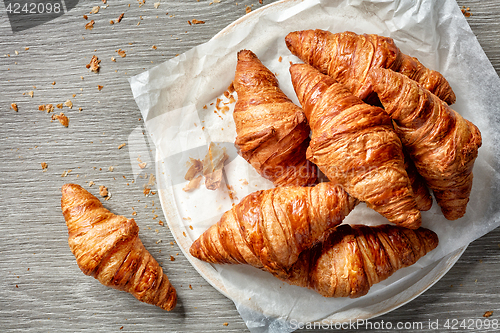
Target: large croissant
{"x":107,"y":247}
{"x":272,"y":132}
{"x":355,"y":257}
{"x":441,"y":142}
{"x":268,"y":229}
{"x":354,"y":144}
{"x":347,"y":57}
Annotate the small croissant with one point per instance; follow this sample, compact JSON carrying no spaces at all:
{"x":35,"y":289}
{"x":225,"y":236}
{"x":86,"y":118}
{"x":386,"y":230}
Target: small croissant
{"x":442,"y":144}
{"x":354,"y":144}
{"x":270,"y":228}
{"x":107,"y":247}
{"x":272,"y":132}
{"x":355,"y":257}
{"x":348,"y":57}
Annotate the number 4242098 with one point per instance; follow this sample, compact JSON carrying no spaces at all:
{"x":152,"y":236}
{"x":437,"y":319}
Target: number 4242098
{"x":33,"y":8}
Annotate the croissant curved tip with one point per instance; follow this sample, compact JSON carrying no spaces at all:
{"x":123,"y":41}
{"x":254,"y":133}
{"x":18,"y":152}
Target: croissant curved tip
{"x":245,"y":55}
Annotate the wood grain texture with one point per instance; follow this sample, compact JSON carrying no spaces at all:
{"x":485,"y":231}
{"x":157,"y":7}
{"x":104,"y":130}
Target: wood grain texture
{"x":41,"y":288}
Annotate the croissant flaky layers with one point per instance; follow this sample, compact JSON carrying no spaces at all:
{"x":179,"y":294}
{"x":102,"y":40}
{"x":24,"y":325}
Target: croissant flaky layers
{"x":442,"y":144}
{"x":354,"y":144}
{"x":348,"y":57}
{"x":107,"y":247}
{"x":270,"y":228}
{"x":355,"y":257}
{"x":272,"y":132}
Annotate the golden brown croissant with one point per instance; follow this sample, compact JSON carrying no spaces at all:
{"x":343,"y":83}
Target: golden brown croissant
{"x":347,"y":57}
{"x":270,"y":228}
{"x":272,"y":132}
{"x":442,"y":144}
{"x":107,"y":247}
{"x":354,"y":144}
{"x":355,"y":257}
{"x":421,"y":192}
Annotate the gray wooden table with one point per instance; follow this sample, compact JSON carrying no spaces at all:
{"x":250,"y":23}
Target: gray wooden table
{"x":41,"y":287}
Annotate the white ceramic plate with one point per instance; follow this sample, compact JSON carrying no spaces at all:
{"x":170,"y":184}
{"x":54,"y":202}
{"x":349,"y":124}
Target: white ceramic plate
{"x":376,"y":305}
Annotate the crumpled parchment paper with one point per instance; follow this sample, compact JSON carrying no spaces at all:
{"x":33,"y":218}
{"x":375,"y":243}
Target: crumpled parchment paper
{"x":179,"y":103}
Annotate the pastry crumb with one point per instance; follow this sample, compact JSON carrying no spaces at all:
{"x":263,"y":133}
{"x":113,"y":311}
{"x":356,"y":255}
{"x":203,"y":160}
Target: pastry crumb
{"x":195,"y":21}
{"x":122,"y":145}
{"x":121,"y":53}
{"x":225,"y":324}
{"x":44,"y":165}
{"x":62,"y":119}
{"x":488,"y":314}
{"x":69,"y":104}
{"x":14,"y":107}
{"x":172,"y":258}
{"x":99,"y":87}
{"x":119,"y":19}
{"x":91,"y":183}
{"x":103,"y":191}
{"x":93,"y":65}
{"x":94,"y":10}
{"x":90,"y":25}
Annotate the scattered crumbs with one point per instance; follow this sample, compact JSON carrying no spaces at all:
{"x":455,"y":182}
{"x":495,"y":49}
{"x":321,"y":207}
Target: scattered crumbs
{"x":99,"y":87}
{"x":280,"y":59}
{"x":44,"y":165}
{"x":161,"y":223}
{"x":90,"y":25}
{"x":190,"y":287}
{"x":59,"y":106}
{"x":134,"y":213}
{"x":184,"y":234}
{"x":16,"y":52}
{"x":172,"y":258}
{"x":142,"y":165}
{"x":146,"y":191}
{"x":466,"y":11}
{"x":244,"y":182}
{"x":191,"y":227}
{"x":85,"y":17}
{"x":111,"y":22}
{"x":13,"y":106}
{"x":54,"y":83}
{"x":154,"y":47}
{"x":31,"y":93}
{"x":113,"y":59}
{"x":26,"y":48}
{"x":186,"y":218}
{"x":488,"y":314}
{"x":91,"y":183}
{"x":94,"y":10}
{"x":69,"y":104}
{"x":103,"y":191}
{"x":93,"y":65}
{"x":248,"y":9}
{"x":225,"y":324}
{"x":119,"y":19}
{"x":195,"y":21}
{"x":158,"y":241}
{"x":62,"y":119}
{"x":111,"y":168}
{"x":122,"y":145}
{"x":66,"y":173}
{"x":121,"y":53}
{"x":121,"y":327}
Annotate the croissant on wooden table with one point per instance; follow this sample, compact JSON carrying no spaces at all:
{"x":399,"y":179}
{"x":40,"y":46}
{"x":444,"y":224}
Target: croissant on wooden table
{"x":108,"y":247}
{"x":272,"y":132}
{"x":354,"y":144}
{"x":348,"y":57}
{"x":268,"y":229}
{"x":355,"y":257}
{"x":442,"y":144}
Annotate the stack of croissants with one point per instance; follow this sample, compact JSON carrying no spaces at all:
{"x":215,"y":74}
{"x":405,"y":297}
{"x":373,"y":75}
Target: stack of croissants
{"x":374,"y":121}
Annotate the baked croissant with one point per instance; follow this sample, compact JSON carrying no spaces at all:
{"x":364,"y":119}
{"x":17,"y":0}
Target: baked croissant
{"x":442,"y":144}
{"x":272,"y":132}
{"x":268,"y":229}
{"x":355,"y":257}
{"x":354,"y":144}
{"x":107,"y":247}
{"x":347,"y":57}
{"x":421,"y":192}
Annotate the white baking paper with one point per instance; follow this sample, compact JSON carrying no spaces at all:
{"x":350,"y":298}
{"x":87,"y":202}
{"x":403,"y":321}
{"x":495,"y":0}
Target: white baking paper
{"x":178,"y":98}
